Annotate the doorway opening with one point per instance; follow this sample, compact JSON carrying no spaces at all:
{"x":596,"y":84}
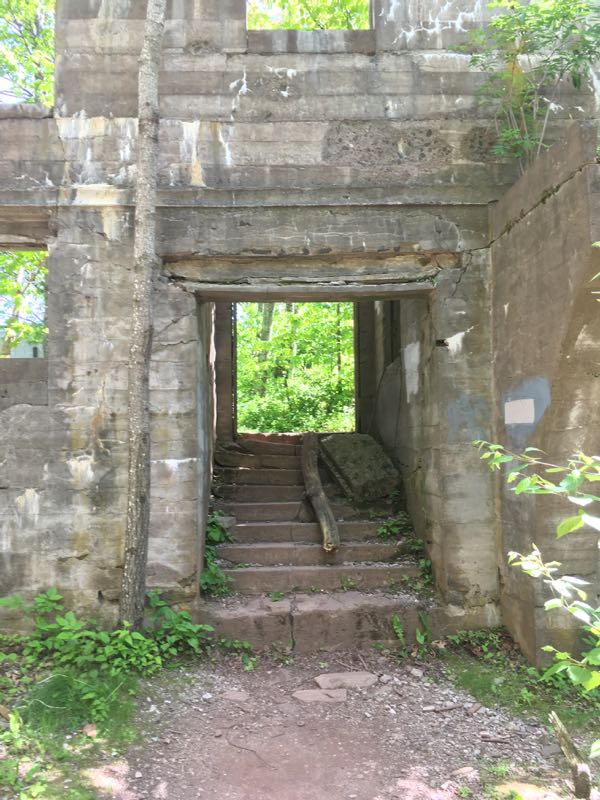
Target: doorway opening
{"x":295,"y":367}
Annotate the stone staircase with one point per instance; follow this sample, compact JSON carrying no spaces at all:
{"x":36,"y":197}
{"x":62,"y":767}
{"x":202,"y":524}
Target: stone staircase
{"x":288,"y":590}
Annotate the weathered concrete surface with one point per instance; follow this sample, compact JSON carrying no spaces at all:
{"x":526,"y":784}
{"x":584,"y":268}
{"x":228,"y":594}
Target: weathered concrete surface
{"x":351,"y":157}
{"x":23,"y":381}
{"x":360,"y":465}
{"x":546,"y":340}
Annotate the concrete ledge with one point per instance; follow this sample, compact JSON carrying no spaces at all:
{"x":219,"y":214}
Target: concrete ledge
{"x":23,"y":381}
{"x":25,"y":111}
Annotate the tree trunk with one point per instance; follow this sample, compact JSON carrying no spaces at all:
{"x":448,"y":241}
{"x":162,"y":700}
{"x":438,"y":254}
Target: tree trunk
{"x":138,"y":394}
{"x":267,"y":310}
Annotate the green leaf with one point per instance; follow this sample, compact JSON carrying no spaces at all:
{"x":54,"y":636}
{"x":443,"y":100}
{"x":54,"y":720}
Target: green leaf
{"x":569,"y":525}
{"x":556,"y":602}
{"x":595,"y":749}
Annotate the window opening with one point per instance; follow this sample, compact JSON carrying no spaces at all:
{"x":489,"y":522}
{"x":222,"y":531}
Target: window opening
{"x":309,"y":15}
{"x":295,"y":367}
{"x":23,"y":329}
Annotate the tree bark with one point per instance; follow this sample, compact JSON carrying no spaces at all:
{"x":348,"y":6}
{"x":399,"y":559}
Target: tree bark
{"x":316,"y":494}
{"x":133,"y":587}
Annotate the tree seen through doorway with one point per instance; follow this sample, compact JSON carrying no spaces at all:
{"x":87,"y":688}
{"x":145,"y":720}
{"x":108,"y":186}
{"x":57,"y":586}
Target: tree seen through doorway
{"x":295,"y":367}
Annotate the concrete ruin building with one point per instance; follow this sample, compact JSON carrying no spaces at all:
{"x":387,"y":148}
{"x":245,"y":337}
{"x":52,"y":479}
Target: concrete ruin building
{"x":350,"y":165}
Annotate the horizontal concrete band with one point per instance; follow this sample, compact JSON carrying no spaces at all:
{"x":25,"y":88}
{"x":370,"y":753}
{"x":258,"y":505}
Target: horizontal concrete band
{"x":301,"y":292}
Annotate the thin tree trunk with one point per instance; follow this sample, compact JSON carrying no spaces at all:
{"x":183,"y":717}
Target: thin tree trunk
{"x":138,"y":496}
{"x":267,"y":311}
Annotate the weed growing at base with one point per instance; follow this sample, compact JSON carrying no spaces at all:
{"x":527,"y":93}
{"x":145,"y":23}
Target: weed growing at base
{"x":213,"y":580}
{"x":488,"y":665}
{"x":70,"y":673}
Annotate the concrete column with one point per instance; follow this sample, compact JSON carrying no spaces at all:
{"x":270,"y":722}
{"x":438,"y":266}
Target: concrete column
{"x":224,"y":371}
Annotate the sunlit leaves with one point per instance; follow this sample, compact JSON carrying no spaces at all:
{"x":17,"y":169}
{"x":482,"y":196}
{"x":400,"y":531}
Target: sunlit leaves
{"x":527,"y":52}
{"x":27,"y":50}
{"x":22,"y":290}
{"x":308,"y":14}
{"x":295,"y":371}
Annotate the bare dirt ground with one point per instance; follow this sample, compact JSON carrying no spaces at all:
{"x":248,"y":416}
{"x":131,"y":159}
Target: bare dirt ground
{"x":218,"y":733}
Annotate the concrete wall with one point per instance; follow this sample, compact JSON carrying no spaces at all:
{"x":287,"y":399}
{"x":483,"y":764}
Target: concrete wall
{"x":546,"y":340}
{"x":434,"y":398}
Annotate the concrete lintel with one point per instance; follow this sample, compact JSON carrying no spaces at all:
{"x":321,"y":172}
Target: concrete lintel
{"x":298,"y":292}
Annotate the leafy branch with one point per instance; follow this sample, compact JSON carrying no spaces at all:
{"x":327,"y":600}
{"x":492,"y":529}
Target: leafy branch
{"x":529,"y":53}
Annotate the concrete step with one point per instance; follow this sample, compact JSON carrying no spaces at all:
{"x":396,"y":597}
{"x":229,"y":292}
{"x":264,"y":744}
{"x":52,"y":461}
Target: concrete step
{"x":260,"y":580}
{"x":262,"y":447}
{"x":265,"y":477}
{"x":281,"y":438}
{"x":233,"y":458}
{"x":309,"y":532}
{"x":268,"y":555}
{"x":310,"y":622}
{"x":298,"y":511}
{"x":285,"y":511}
{"x":259,"y":494}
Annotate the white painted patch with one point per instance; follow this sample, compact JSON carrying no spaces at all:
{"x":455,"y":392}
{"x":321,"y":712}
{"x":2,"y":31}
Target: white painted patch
{"x":519,"y":412}
{"x":224,"y":142}
{"x":455,"y":343}
{"x":28,"y":507}
{"x":82,"y":471}
{"x":189,"y":151}
{"x":411,"y":358}
{"x":506,"y":305}
{"x":173,"y":464}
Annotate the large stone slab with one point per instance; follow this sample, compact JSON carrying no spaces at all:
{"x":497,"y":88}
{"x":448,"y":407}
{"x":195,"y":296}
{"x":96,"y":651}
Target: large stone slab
{"x":321,"y":695}
{"x":360,"y":465}
{"x":346,"y":680}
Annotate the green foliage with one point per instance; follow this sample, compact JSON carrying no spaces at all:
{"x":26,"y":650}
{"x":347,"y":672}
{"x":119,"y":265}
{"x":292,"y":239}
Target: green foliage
{"x":488,"y":664}
{"x":213,"y":580}
{"x":243,"y":649}
{"x":308,"y":14}
{"x":70,"y":672}
{"x":402,"y":650}
{"x":530,"y":473}
{"x":22,"y":290}
{"x":528,"y":52}
{"x":397,"y":526}
{"x":295,"y":366}
{"x":27,"y":49}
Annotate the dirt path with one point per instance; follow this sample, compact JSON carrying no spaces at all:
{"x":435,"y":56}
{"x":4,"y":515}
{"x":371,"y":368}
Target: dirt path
{"x":218,"y":733}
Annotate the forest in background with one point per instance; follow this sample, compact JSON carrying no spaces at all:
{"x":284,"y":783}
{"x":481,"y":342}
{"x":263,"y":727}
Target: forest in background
{"x":295,"y":367}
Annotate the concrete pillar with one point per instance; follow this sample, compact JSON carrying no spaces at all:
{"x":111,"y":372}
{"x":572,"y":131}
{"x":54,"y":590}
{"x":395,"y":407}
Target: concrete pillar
{"x":224,"y":371}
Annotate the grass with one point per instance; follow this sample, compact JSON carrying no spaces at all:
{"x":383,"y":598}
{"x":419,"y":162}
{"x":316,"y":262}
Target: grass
{"x":488,"y":665}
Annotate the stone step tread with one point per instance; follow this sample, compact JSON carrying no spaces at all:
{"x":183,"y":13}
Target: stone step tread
{"x":319,"y":621}
{"x":260,"y":476}
{"x":308,"y":532}
{"x":261,"y":448}
{"x":265,"y":554}
{"x":292,"y":511}
{"x":258,"y":580}
{"x":235,"y":459}
{"x":253,"y":493}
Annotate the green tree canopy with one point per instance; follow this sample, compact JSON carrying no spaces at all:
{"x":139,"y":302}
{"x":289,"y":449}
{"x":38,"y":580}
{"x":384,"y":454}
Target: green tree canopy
{"x":22,"y":306}
{"x":308,"y":14}
{"x":27,"y":50}
{"x":295,"y":366}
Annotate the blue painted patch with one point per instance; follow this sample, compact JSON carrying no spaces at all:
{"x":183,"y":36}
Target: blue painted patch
{"x":469,"y":418}
{"x":537,"y":389}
